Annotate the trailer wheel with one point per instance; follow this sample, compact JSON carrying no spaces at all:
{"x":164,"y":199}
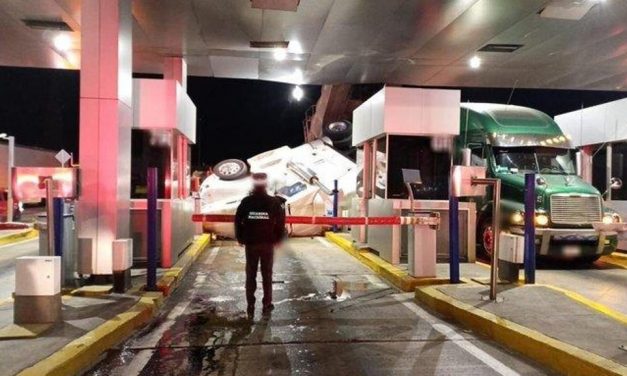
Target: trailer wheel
{"x":344,"y":144}
{"x":231,"y":169}
{"x":338,"y":130}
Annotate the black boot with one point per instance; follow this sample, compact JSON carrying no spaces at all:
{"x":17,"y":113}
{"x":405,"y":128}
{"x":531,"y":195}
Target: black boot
{"x":250,"y":311}
{"x":267,"y":309}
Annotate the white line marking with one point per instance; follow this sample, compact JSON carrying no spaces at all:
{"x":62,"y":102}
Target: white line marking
{"x":324,"y":242}
{"x":137,"y":365}
{"x":152,"y":339}
{"x":454,"y":336}
{"x":213,"y":252}
{"x":20,"y":242}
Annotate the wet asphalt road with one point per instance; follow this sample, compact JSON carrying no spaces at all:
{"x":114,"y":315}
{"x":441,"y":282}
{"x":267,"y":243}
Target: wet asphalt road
{"x":370,"y":329}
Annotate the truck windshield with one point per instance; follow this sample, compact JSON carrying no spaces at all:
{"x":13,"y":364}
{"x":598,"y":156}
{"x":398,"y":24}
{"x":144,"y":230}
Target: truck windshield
{"x":535,"y":159}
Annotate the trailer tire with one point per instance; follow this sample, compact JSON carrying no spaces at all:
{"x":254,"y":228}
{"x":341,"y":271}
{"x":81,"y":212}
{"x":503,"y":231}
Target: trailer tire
{"x":231,"y":169}
{"x":344,"y":144}
{"x":338,"y":130}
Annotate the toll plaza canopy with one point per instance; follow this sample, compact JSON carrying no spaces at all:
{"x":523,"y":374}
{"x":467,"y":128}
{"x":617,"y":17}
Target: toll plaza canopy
{"x":564,"y":44}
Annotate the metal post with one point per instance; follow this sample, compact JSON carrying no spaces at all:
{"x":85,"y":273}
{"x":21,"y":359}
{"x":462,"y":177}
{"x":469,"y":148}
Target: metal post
{"x":453,"y":228}
{"x":57,"y":208}
{"x":530,"y":229}
{"x":151,"y":277}
{"x":50,"y":216}
{"x":496,"y":229}
{"x":497,"y":232}
{"x":10,"y":163}
{"x":335,"y":202}
{"x":608,"y":171}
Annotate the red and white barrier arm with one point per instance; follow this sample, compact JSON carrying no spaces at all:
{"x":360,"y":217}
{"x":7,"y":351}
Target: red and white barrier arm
{"x":306,"y":220}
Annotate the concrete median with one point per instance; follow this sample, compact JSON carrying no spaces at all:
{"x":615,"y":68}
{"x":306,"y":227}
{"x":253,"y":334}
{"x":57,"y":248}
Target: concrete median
{"x":82,"y":353}
{"x":567,"y":336}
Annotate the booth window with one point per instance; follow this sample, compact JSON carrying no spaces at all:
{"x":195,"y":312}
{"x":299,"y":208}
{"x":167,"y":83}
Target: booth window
{"x":416,"y":153}
{"x":148,"y":153}
{"x":599,"y":159}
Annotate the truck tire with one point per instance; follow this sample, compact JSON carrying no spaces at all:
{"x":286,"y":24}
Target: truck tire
{"x":485,"y":237}
{"x":338,"y":130}
{"x":231,"y":169}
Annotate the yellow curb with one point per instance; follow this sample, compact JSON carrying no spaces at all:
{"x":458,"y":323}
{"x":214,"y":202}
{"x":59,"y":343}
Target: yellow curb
{"x":560,"y":356}
{"x":18,"y":237}
{"x":615,"y":259}
{"x":80,"y":354}
{"x":618,"y":316}
{"x":393,"y":274}
{"x":92,"y":290}
{"x":172,"y":277}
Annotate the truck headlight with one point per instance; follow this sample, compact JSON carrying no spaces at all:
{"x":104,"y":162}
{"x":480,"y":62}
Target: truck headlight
{"x":542,"y":220}
{"x":517,"y":218}
{"x":611,"y":218}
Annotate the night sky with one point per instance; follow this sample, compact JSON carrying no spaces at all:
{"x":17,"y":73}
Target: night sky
{"x":236,"y":118}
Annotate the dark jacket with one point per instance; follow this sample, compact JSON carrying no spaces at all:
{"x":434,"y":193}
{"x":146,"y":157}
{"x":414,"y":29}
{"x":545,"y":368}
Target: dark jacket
{"x":260,"y":219}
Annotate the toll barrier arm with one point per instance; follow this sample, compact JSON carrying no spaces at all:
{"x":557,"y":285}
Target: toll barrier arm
{"x":432,"y":221}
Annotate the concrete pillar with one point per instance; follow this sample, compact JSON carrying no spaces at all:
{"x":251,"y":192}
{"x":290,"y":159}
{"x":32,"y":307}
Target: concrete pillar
{"x":105,"y":127}
{"x":175,"y":68}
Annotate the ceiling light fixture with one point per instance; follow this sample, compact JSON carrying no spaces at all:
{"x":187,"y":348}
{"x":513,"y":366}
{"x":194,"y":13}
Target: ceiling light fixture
{"x":62,"y":42}
{"x":475,"y":62}
{"x":297,"y":93}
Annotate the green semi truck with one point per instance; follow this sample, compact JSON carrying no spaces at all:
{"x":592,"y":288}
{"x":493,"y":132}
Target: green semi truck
{"x":511,"y":141}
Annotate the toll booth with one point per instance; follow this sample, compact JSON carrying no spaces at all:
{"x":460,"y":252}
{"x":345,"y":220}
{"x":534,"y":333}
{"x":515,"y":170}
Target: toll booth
{"x":164,"y":127}
{"x":407,"y":128}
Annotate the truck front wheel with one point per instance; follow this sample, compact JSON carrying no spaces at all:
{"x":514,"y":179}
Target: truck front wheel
{"x":485,"y":236}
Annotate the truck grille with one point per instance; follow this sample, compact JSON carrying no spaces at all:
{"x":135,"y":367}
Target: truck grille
{"x":575,"y":210}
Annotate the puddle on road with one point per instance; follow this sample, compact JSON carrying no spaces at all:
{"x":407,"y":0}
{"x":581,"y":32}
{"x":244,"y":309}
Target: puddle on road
{"x":205,"y":339}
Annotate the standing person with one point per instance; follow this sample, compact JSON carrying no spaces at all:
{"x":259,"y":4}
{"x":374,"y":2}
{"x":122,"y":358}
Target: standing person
{"x":259,"y":226}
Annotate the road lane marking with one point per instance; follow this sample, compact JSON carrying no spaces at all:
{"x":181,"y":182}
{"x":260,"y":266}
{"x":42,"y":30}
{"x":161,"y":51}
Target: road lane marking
{"x":213,"y":252}
{"x":457,"y":338}
{"x":136,"y":365}
{"x":19,"y":243}
{"x":152,"y":339}
{"x":323,"y":241}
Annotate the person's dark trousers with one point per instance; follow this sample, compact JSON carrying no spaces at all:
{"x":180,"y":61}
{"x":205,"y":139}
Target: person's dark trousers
{"x":255,"y":255}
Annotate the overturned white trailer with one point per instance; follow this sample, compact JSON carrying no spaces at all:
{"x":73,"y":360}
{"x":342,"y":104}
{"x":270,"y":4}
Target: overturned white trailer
{"x":303,"y":175}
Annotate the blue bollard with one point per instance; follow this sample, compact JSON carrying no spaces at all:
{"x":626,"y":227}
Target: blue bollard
{"x":530,"y":228}
{"x":151,"y":276}
{"x":335,"y":202}
{"x":57,"y":209}
{"x":453,"y":227}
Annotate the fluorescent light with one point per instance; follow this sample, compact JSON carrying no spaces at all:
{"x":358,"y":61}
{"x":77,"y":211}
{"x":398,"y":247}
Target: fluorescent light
{"x":280,"y":54}
{"x":474,"y":62}
{"x":297,"y":93}
{"x":295,"y":47}
{"x":62,"y":42}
